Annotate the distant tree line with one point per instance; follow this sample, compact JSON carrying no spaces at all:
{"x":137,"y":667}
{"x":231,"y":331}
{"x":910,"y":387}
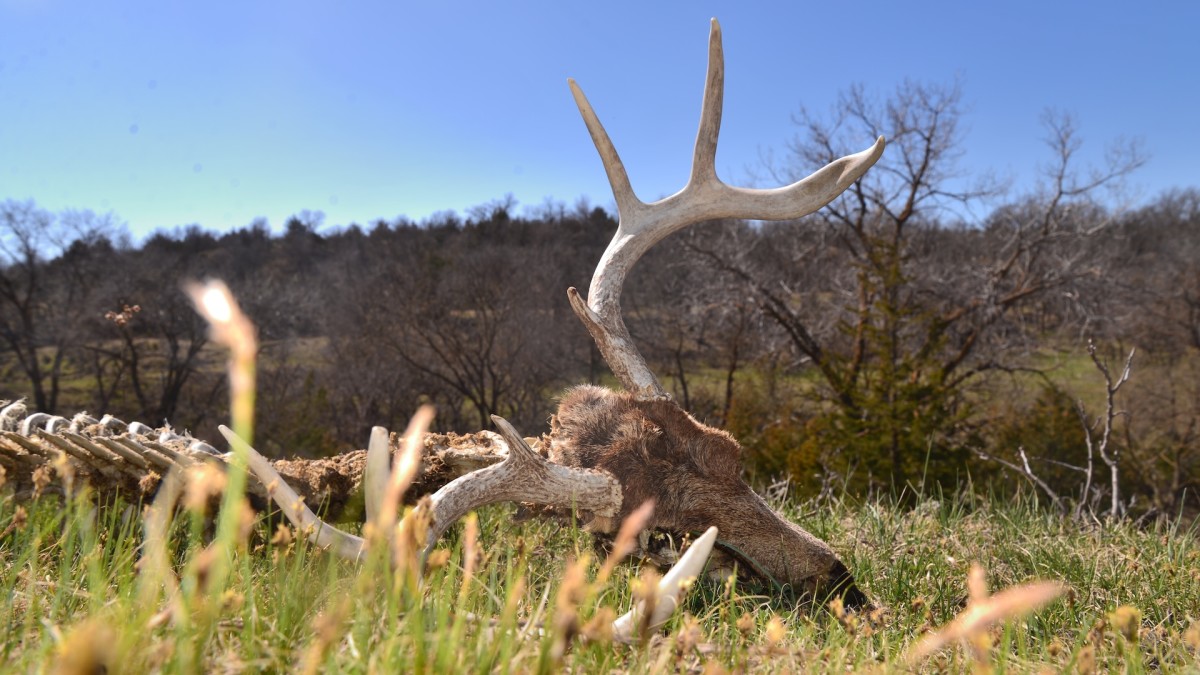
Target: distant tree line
{"x":874,"y":345}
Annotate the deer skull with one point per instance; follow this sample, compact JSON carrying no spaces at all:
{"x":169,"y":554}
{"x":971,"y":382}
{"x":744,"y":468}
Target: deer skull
{"x":610,"y":452}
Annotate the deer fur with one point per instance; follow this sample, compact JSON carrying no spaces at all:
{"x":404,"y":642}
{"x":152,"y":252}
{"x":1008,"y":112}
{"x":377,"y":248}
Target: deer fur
{"x":693,"y":473}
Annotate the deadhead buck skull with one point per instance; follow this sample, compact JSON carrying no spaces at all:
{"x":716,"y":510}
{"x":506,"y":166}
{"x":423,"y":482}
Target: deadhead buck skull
{"x":612,"y":451}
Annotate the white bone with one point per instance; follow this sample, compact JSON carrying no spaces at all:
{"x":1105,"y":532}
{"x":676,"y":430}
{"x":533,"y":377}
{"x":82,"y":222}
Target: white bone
{"x":670,"y":590}
{"x":376,"y":472}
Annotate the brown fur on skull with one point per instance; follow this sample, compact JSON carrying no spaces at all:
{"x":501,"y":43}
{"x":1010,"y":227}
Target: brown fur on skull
{"x":693,"y":474}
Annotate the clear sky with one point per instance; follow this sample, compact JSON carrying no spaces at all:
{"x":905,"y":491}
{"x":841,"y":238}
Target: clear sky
{"x":170,"y":113}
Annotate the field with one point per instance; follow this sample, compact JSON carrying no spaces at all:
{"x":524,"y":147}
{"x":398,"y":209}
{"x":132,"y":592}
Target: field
{"x":104,"y":587}
{"x":81,"y":588}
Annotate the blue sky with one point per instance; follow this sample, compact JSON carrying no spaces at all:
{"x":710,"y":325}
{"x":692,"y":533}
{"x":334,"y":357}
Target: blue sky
{"x":171,"y":113}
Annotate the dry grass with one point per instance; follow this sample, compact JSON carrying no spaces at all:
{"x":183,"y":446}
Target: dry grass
{"x":531,"y":597}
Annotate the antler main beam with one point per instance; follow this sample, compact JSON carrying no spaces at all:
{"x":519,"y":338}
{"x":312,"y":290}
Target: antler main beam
{"x":704,"y":197}
{"x":523,"y":477}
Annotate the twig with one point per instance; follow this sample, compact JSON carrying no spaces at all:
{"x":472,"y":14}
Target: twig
{"x":1026,"y":471}
{"x":1111,"y":457}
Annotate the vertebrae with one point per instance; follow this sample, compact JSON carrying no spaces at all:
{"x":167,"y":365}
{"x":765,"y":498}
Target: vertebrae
{"x":132,"y":456}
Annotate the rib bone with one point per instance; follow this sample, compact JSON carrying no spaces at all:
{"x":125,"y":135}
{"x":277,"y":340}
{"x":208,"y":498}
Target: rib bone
{"x":293,"y":507}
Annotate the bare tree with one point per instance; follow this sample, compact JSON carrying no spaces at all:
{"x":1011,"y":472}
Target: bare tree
{"x":48,"y":270}
{"x":891,"y":297}
{"x":1098,"y":440}
{"x":1155,"y":267}
{"x":465,"y":322}
{"x":157,"y":352}
{"x":1161,"y":435}
{"x":1098,"y":433}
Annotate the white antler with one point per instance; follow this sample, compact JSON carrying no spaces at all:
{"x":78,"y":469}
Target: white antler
{"x":704,"y":197}
{"x":524,"y":476}
{"x":670,"y":590}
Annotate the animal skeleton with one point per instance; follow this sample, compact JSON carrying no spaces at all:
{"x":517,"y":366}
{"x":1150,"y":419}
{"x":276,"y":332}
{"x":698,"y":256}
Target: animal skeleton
{"x":608,"y":452}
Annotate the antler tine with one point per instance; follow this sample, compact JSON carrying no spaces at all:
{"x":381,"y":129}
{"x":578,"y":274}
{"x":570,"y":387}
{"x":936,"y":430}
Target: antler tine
{"x":524,"y":476}
{"x":627,"y":201}
{"x":669,"y":591}
{"x":704,"y":197}
{"x":704,"y":160}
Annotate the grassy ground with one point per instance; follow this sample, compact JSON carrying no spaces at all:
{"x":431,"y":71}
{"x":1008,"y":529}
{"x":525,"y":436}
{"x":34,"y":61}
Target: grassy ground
{"x":75,"y":595}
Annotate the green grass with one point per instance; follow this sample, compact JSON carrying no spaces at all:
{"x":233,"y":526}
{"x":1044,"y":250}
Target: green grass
{"x":73,"y":590}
